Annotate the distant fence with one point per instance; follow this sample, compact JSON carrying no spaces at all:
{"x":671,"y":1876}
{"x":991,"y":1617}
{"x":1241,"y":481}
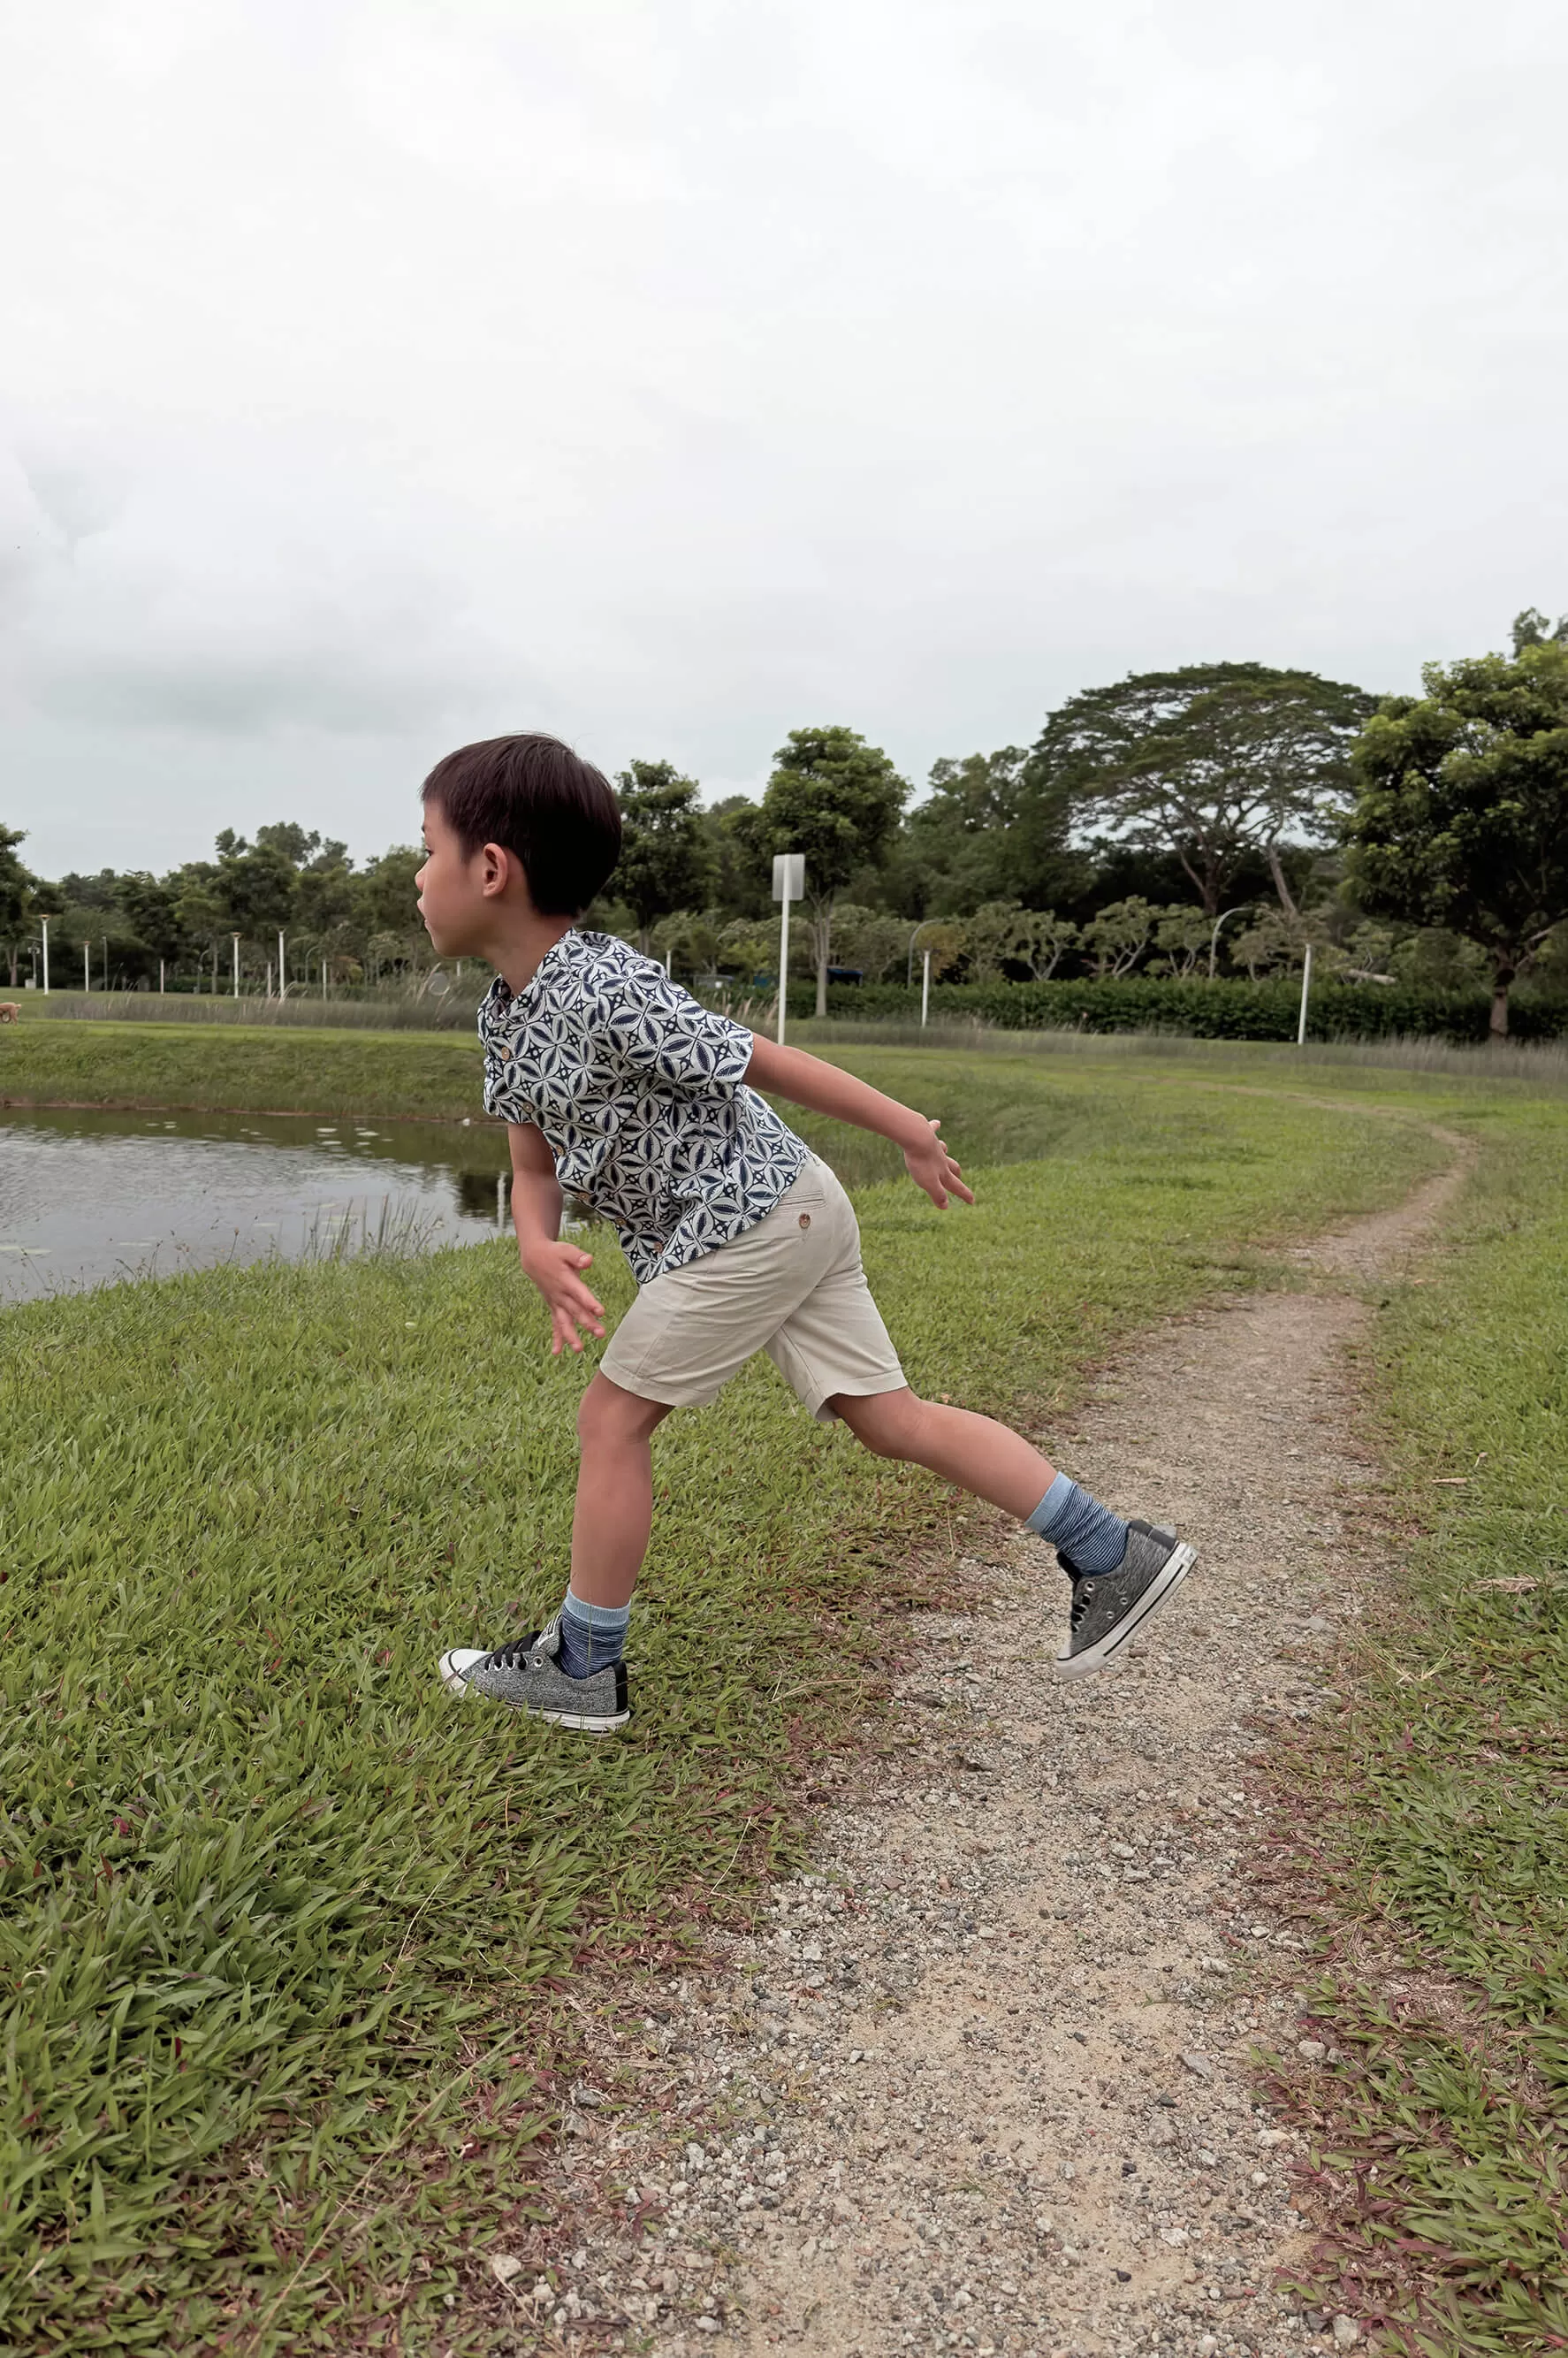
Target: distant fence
{"x":391,"y":1012}
{"x":1197,"y":1009}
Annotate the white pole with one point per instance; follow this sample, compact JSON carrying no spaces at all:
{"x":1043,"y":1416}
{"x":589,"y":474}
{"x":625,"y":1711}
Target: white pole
{"x":924,"y":986}
{"x":45,"y":927}
{"x":160,"y":986}
{"x":1306,"y":992}
{"x":281,"y":969}
{"x":269,"y":978}
{"x":87,"y":967}
{"x":783,"y":959}
{"x":236,"y":966}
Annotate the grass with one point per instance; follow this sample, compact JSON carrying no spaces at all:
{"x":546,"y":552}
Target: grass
{"x":286,"y":1936}
{"x":1443,"y":2126}
{"x":419,"y":1075}
{"x":246,"y":1066}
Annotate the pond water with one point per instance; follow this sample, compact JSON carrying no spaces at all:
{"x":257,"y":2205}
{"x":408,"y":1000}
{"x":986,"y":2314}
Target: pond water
{"x":87,"y":1198}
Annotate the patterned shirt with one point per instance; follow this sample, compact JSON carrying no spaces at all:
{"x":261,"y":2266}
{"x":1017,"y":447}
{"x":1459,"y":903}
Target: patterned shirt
{"x":639,"y":1093}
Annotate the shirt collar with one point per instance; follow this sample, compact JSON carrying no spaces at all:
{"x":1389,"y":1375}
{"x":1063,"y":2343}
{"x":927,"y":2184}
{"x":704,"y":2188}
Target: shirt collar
{"x":500,"y":1000}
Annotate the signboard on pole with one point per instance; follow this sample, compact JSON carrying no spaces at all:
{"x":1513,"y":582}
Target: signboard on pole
{"x":789,"y":884}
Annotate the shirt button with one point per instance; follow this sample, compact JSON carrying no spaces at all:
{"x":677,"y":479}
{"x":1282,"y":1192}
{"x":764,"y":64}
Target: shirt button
{"x":805,"y":1219}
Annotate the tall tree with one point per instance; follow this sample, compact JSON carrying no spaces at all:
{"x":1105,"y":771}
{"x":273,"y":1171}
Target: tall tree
{"x":1534,"y":629}
{"x":1462,"y":818}
{"x":837,"y":799}
{"x":665,"y":862}
{"x":153,"y":908}
{"x":1216,"y":762}
{"x":15,"y":897}
{"x":990,"y":828}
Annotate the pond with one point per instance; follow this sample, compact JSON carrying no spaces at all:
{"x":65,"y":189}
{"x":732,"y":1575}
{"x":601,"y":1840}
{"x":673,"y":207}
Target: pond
{"x":90,"y":1197}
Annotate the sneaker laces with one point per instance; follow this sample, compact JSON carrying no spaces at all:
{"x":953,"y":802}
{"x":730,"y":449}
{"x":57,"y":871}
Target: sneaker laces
{"x":1083,"y":1597}
{"x":510,"y":1656}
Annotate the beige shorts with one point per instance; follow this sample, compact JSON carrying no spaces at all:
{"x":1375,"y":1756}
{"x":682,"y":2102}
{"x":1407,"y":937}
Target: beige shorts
{"x":792,"y":1286}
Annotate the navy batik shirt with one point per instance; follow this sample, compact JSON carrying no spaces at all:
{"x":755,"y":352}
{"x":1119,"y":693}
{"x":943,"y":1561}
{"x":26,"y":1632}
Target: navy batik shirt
{"x":640,"y":1093}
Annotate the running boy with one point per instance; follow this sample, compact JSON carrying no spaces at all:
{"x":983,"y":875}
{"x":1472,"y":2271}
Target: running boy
{"x":618,"y":1085}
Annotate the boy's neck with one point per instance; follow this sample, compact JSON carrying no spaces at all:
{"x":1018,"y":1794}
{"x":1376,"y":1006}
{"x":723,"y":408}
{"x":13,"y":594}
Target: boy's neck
{"x":527,"y":939}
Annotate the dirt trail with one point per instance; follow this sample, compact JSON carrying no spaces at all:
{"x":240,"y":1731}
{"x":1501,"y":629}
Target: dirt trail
{"x":984,"y":2079}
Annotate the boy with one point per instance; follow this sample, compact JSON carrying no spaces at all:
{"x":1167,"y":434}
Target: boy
{"x":618,"y":1085}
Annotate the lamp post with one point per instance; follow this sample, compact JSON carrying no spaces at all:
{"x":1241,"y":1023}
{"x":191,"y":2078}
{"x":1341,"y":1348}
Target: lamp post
{"x":1213,"y":938}
{"x":45,"y":927}
{"x":1306,"y":994}
{"x":789,"y":884}
{"x":909,"y":971}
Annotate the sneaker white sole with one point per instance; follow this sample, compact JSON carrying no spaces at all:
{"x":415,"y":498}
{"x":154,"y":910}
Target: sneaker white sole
{"x":582,"y":1722}
{"x":1166,"y":1581}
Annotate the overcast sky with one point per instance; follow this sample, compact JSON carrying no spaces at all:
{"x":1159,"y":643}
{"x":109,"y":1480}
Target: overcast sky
{"x":674,"y":373}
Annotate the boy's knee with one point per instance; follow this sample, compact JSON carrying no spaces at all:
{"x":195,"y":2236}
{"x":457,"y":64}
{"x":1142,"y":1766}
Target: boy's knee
{"x":888,"y":1424}
{"x":608,"y":1417}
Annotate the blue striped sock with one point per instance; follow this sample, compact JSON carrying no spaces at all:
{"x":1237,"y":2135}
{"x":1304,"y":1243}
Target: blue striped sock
{"x":1087,"y":1536}
{"x":592,"y":1636}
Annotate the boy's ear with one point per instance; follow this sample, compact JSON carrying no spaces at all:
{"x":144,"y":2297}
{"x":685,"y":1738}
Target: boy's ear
{"x":497,"y":867}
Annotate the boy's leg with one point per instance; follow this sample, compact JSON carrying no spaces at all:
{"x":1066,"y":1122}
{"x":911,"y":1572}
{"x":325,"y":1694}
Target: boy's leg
{"x":571,"y":1670}
{"x":1120,"y":1572}
{"x":614,"y":1510}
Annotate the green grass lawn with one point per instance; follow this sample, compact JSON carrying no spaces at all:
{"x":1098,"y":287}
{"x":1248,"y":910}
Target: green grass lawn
{"x":422,"y":1076}
{"x":1446,"y":2127}
{"x":284,"y":1932}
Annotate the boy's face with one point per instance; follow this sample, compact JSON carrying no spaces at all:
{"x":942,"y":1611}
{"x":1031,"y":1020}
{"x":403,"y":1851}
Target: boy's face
{"x":457,"y":894}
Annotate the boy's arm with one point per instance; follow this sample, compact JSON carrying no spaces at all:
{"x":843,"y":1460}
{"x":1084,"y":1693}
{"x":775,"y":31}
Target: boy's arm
{"x":807,"y":1081}
{"x":550,"y":1262}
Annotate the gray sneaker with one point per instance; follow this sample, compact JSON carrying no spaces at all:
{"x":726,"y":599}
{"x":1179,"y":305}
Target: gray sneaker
{"x":527,"y":1675}
{"x":1108,"y":1606}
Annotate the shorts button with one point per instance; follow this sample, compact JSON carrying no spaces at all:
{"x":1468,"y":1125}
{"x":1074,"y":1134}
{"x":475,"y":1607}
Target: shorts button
{"x":805,"y":1219}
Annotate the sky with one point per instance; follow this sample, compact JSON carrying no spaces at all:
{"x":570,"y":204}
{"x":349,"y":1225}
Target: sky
{"x":672,"y":373}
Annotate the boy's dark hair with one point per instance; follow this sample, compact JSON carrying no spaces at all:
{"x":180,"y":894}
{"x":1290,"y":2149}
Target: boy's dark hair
{"x":533,"y":796}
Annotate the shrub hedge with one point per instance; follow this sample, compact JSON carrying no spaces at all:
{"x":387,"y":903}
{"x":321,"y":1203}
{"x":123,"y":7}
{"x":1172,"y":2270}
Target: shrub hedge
{"x":1203,"y":1009}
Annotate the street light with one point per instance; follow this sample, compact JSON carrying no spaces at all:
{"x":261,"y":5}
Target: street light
{"x":1239,"y":910}
{"x":909,"y":973}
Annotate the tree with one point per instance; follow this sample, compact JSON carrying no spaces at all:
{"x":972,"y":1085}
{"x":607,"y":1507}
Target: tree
{"x":16,"y":897}
{"x":1214,"y":762}
{"x":152,"y":907}
{"x":664,"y":863}
{"x":1002,"y":934}
{"x":1118,"y":936}
{"x":837,"y":799}
{"x":1185,"y":934}
{"x":988,"y":829}
{"x":1461,"y":819}
{"x":1533,"y":628}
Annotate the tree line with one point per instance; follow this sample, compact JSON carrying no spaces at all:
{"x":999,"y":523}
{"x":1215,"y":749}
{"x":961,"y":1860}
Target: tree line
{"x":1208,"y":820}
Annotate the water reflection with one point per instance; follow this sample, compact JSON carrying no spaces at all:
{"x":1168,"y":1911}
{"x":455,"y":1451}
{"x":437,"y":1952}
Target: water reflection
{"x":88,"y":1197}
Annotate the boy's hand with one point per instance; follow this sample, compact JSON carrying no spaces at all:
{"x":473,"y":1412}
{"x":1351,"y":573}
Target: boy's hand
{"x":554,"y":1266}
{"x":931,"y":1166}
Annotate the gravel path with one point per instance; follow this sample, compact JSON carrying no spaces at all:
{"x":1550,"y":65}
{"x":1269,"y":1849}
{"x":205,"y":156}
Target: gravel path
{"x":980,"y":2082}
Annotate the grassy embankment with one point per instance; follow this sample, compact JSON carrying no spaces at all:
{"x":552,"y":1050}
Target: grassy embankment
{"x":422,"y":1076}
{"x":1437,"y":1809}
{"x":283,"y":1933}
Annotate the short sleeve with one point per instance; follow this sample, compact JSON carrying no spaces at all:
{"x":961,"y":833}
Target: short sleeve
{"x":658,"y":1030}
